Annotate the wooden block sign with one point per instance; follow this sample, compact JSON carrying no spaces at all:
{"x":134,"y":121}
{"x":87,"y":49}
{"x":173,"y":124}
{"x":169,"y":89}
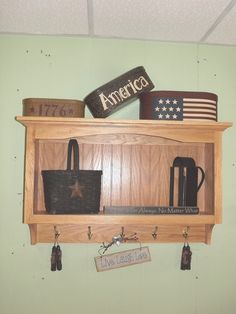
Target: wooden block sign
{"x":122,"y":259}
{"x":113,"y":95}
{"x":50,"y":107}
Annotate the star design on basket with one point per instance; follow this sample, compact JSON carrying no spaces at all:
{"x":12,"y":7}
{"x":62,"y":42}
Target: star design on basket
{"x":76,"y":190}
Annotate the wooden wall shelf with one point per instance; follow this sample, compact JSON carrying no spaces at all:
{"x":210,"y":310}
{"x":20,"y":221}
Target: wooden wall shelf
{"x":135,"y":156}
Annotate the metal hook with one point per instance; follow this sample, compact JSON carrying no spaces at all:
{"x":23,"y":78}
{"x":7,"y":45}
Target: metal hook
{"x":185,"y":233}
{"x":89,"y":233}
{"x":122,"y":232}
{"x":56,"y":235}
{"x":154,"y":234}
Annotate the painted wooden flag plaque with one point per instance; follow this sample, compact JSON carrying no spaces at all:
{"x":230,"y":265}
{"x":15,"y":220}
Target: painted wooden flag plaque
{"x":122,"y":259}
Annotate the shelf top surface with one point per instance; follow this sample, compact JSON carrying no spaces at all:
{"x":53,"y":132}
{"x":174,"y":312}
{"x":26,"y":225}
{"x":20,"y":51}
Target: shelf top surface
{"x":27,"y":120}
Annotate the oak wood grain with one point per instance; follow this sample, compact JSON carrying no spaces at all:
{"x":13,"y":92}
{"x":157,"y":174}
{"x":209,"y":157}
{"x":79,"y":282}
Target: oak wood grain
{"x":135,"y":157}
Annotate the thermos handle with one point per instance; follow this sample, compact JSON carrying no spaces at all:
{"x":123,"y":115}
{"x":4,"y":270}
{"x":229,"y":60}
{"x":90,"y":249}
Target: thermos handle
{"x":202,"y":179}
{"x":171,"y":195}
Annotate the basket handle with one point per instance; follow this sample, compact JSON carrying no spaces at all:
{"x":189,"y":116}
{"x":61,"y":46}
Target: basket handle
{"x":73,"y":145}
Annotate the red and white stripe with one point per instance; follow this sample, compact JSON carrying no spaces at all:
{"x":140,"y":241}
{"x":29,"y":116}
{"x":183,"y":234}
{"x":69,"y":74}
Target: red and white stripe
{"x":194,"y":108}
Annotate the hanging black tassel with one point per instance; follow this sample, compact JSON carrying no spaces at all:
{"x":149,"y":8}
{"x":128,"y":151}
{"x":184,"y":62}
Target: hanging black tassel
{"x":58,"y":258}
{"x":186,"y":257}
{"x":56,"y":255}
{"x":54,"y":258}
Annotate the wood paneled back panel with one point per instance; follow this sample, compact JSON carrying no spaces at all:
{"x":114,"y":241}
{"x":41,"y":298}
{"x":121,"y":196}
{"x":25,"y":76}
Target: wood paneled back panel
{"x":133,"y":173}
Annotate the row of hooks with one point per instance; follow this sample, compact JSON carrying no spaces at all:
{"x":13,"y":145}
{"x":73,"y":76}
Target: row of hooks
{"x":154,"y":233}
{"x":56,"y":254}
{"x":122,"y":234}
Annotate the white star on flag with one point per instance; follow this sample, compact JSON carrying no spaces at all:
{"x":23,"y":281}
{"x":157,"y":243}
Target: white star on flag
{"x":167,"y":109}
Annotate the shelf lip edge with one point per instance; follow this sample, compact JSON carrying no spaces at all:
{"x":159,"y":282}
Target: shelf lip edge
{"x":119,"y":220}
{"x":118,"y":122}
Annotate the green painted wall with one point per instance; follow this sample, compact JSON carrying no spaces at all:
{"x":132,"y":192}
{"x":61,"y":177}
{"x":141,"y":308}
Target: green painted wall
{"x":63,"y":67}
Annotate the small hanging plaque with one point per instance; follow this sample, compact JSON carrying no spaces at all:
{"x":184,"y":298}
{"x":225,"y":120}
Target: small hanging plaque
{"x":122,"y":259}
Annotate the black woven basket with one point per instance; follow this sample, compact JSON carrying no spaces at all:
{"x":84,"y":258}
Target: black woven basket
{"x":72,"y":191}
{"x":113,"y":95}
